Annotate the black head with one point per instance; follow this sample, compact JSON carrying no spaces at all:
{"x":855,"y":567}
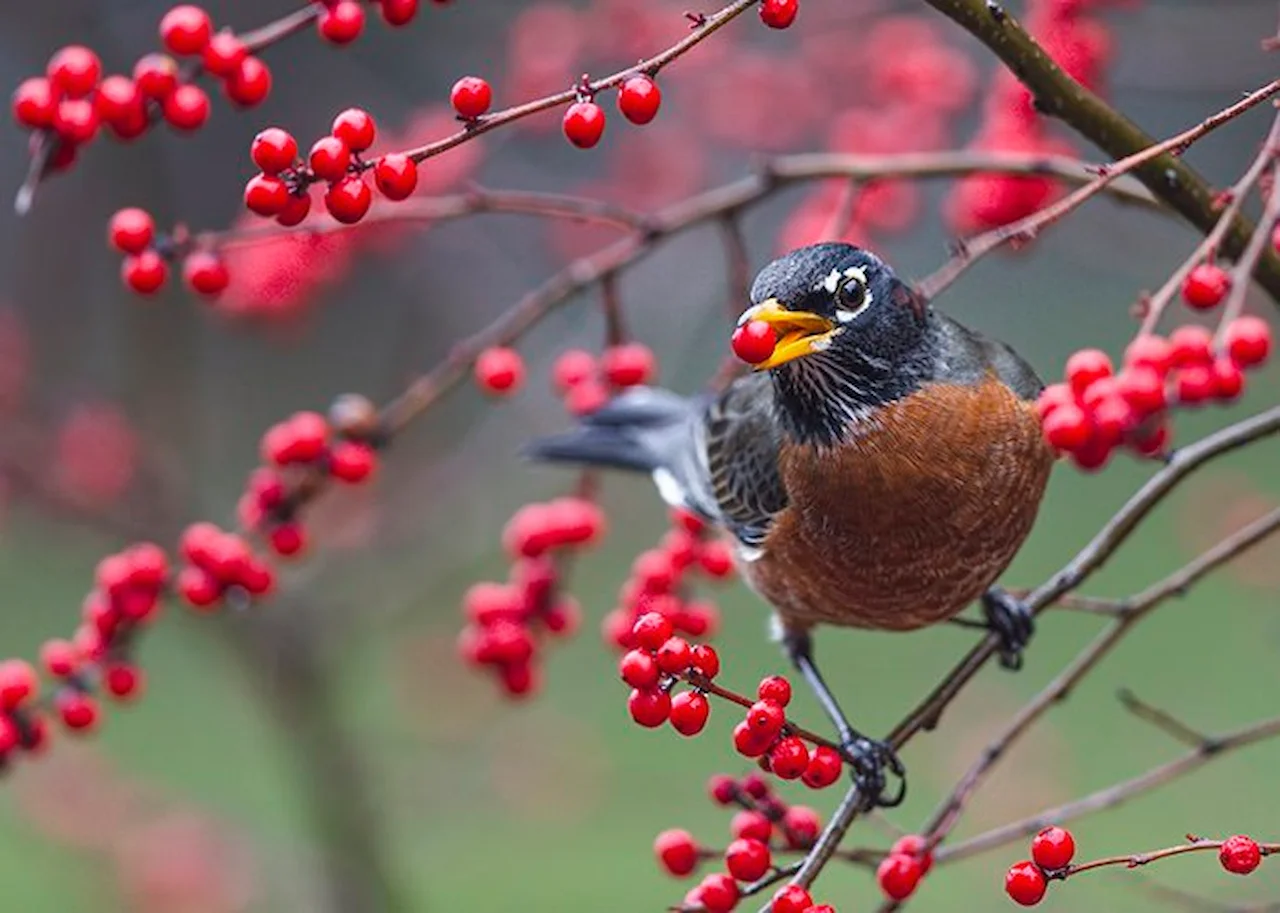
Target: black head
{"x":851,"y":336}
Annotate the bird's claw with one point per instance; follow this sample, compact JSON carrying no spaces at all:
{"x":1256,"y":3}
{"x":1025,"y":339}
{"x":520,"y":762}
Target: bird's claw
{"x":872,"y":762}
{"x":1011,"y":619}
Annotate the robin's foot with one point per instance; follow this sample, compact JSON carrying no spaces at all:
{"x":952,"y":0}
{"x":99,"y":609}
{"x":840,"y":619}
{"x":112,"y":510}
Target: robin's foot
{"x":1010,"y":618}
{"x":873,"y":763}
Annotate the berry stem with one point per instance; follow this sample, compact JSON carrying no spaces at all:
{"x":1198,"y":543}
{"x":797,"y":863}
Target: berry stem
{"x":1134,"y":860}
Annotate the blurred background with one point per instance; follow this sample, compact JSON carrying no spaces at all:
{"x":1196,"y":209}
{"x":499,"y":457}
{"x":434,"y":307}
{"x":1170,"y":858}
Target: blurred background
{"x":328,"y":751}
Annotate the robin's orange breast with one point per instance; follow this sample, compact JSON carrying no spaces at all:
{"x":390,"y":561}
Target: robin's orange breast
{"x":912,"y":517}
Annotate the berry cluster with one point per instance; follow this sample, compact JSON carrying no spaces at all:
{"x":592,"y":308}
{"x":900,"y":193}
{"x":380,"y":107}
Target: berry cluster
{"x":145,"y":268}
{"x":900,"y":872}
{"x":221,"y":569}
{"x":659,"y":578}
{"x":764,"y":826}
{"x":342,"y":447}
{"x":342,"y":21}
{"x":587,"y":382}
{"x":764,"y":734}
{"x":281,"y":190}
{"x":653,"y":666}
{"x":1097,"y":410}
{"x":505,"y":619}
{"x":1054,"y":847}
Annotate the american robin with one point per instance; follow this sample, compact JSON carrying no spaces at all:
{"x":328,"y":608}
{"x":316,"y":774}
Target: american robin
{"x":879,"y":470}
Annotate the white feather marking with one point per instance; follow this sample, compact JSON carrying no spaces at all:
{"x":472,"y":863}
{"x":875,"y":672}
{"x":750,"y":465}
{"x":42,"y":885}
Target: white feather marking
{"x":750,"y":553}
{"x":669,"y":489}
{"x":832,"y":280}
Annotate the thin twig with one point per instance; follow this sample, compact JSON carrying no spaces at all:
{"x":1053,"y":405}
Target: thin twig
{"x":1161,"y":719}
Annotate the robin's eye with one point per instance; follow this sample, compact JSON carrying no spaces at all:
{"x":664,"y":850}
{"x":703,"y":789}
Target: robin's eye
{"x":852,"y":295}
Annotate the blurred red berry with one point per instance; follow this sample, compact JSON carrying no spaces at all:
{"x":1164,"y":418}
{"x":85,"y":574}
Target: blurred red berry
{"x":144,"y":272}
{"x":123,"y":680}
{"x":791,"y":899}
{"x":1228,"y":379}
{"x":131,"y":230}
{"x":915,"y":846}
{"x":583,"y":124}
{"x":76,"y":120}
{"x":119,"y":102}
{"x":249,"y":83}
{"x":1240,"y":855}
{"x":1149,"y":350}
{"x":74,"y":71}
{"x":471,"y":97}
{"x":754,"y":341}
{"x":747,"y":859}
{"x":572,"y":367}
{"x":396,"y":176}
{"x":186,"y":108}
{"x":34,"y":102}
{"x":1142,"y":388}
{"x":639,"y":98}
{"x":676,"y":851}
{"x":779,"y":14}
{"x":342,"y":22}
{"x":288,"y":539}
{"x":156,"y":75}
{"x":716,"y":558}
{"x":205,"y":273}
{"x":651,"y":630}
{"x":185,"y":29}
{"x":801,"y":825}
{"x":224,"y":53}
{"x":1085,"y":367}
{"x":628,"y":365}
{"x":78,"y":710}
{"x":499,"y":370}
{"x":1053,"y":848}
{"x":1248,"y":341}
{"x":689,"y":712}
{"x":1195,"y":384}
{"x":348,"y":199}
{"x":719,"y":893}
{"x":898,"y":875}
{"x":1205,"y":286}
{"x":352,"y":461}
{"x":18,"y":683}
{"x":1067,"y":427}
{"x":399,"y":12}
{"x":1190,"y":345}
{"x":1025,"y":883}
{"x":59,"y":657}
{"x":329,"y":158}
{"x":356,"y":128}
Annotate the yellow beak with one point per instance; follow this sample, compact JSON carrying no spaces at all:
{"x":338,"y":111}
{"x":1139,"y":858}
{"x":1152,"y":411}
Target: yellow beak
{"x":800,"y":333}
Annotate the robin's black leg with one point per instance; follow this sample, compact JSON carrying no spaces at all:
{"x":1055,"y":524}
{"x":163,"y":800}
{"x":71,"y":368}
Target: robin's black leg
{"x":1009,"y":617}
{"x":871,"y":760}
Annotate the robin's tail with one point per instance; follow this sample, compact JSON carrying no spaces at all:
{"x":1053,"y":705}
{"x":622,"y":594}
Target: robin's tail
{"x":642,"y":430}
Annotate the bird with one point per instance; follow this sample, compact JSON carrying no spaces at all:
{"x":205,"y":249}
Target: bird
{"x":879,"y":470}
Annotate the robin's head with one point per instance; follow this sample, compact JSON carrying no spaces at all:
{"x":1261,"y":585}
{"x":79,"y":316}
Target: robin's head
{"x":850,"y":333}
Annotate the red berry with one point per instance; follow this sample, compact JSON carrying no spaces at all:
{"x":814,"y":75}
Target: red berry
{"x":499,"y":370}
{"x":396,"y":176}
{"x":722,"y":788}
{"x":1067,"y":428}
{"x":639,"y":98}
{"x":587,"y":397}
{"x":342,"y":22}
{"x":76,"y":120}
{"x":356,"y":128}
{"x":1195,"y":384}
{"x":59,"y":657}
{"x":766,"y":718}
{"x":352,"y":461}
{"x":778,"y":14}
{"x":789,"y":759}
{"x":801,"y":825}
{"x":639,"y":669}
{"x":747,"y":859}
{"x":1025,"y":883}
{"x":914,"y":845}
{"x":571,"y":368}
{"x":583,"y":124}
{"x":1240,"y":855}
{"x":791,"y":899}
{"x":719,"y":893}
{"x":131,"y":230}
{"x":186,"y":29}
{"x":1205,"y":286}
{"x":471,"y":97}
{"x":1054,"y":397}
{"x":205,"y":273}
{"x":651,"y":630}
{"x":144,"y":272}
{"x":274,"y":150}
{"x":34,"y":102}
{"x":750,"y":742}
{"x":123,"y":680}
{"x":266,"y":195}
{"x":754,"y":341}
{"x":348,"y":199}
{"x":78,"y":710}
{"x":775,"y":688}
{"x":628,"y":365}
{"x":689,"y":712}
{"x":296,"y":209}
{"x":750,"y":824}
{"x":1085,"y":367}
{"x":288,"y":539}
{"x":119,"y":102}
{"x":1053,"y":848}
{"x":676,"y":851}
{"x":1190,"y":345}
{"x":704,"y":659}
{"x":18,"y":683}
{"x":1228,"y":379}
{"x":825,"y":766}
{"x":1247,"y":341}
{"x":519,"y":679}
{"x":898,"y":875}
{"x":1150,"y":351}
{"x":674,"y":656}
{"x":74,"y":71}
{"x":653,"y":571}
{"x":399,"y":12}
{"x":224,"y":54}
{"x":249,"y":84}
{"x":329,"y":158}
{"x":649,"y":708}
{"x":186,"y":108}
{"x":1142,"y":388}
{"x":716,"y":558}
{"x":156,"y":75}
